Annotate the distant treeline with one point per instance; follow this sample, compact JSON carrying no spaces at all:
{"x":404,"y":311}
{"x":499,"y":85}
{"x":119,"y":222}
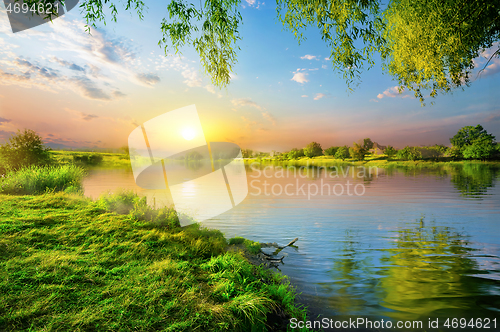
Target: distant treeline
{"x":469,"y":143}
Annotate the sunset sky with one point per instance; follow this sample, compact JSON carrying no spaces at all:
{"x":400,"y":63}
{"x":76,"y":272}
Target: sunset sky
{"x":82,"y":90}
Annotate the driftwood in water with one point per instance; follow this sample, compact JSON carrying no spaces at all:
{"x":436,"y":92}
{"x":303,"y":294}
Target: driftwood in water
{"x":271,"y":258}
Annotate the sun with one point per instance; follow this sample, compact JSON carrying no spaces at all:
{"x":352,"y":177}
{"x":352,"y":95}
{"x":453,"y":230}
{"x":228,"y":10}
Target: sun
{"x":188,"y":133}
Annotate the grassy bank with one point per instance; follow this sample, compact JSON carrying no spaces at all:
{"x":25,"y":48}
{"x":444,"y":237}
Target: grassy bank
{"x":379,"y":161}
{"x":40,"y":179}
{"x":68,"y":264}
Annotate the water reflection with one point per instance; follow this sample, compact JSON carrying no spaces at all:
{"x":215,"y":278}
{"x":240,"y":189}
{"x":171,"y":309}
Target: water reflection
{"x":427,"y":270}
{"x":474,"y":180}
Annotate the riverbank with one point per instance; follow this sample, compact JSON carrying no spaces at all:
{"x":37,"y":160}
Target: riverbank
{"x":67,"y":263}
{"x":381,"y":162}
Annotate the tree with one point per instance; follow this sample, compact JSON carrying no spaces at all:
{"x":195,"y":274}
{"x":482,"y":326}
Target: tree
{"x":358,"y":152}
{"x":295,"y":153}
{"x":423,"y":44}
{"x":247,"y":153}
{"x":468,"y":135}
{"x":313,"y":149}
{"x":367,"y":144}
{"x":390,"y":151}
{"x":482,"y":148}
{"x":24,"y":149}
{"x":331,"y":151}
{"x":409,"y":153}
{"x":342,"y":153}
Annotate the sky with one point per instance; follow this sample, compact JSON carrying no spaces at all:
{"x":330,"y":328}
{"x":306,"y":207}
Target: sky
{"x":92,"y":90}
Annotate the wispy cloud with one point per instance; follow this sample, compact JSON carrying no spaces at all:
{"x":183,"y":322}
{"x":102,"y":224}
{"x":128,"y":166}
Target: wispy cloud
{"x":89,"y":88}
{"x":69,"y":65}
{"x":241,"y":102}
{"x":269,"y":118}
{"x":4,"y":120}
{"x":192,"y":78}
{"x":319,"y":96}
{"x":391,"y":93}
{"x":246,"y":102}
{"x":304,"y":96}
{"x":148,"y":79}
{"x":309,"y":57}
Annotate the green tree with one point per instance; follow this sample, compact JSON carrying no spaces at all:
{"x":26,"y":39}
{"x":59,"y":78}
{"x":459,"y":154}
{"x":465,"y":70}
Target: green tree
{"x":479,"y":149}
{"x":424,"y":45}
{"x":466,"y":135}
{"x":358,"y":152}
{"x":24,"y":149}
{"x":390,"y":151}
{"x":342,"y":153}
{"x":247,"y":153}
{"x":409,"y":153}
{"x":331,"y":151}
{"x":367,"y":144}
{"x":295,"y":153}
{"x":313,"y":149}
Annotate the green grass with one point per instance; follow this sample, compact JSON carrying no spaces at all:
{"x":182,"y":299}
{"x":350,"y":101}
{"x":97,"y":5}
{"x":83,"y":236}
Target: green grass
{"x":370,"y":160}
{"x":40,"y":179}
{"x":253,"y":247}
{"x":68,"y":264}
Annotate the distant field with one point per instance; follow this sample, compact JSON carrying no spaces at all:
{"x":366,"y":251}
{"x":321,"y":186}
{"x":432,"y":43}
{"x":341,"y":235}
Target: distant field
{"x":109,"y":160}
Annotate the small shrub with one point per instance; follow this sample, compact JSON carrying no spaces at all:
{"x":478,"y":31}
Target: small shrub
{"x":128,"y":202}
{"x":23,"y":149}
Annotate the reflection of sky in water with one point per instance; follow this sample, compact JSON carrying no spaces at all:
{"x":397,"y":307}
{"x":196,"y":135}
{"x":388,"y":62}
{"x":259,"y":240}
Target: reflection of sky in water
{"x":371,"y":254}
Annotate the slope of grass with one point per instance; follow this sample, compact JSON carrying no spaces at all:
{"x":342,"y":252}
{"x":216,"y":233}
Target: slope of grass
{"x":67,"y":264}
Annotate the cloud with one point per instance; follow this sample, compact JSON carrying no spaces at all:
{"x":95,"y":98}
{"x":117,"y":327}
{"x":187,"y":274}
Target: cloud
{"x":304,"y":96}
{"x":43,"y":71}
{"x":299,"y":77}
{"x":253,"y":3}
{"x":269,"y":118}
{"x":6,"y":77}
{"x":69,"y":65}
{"x":309,"y":57}
{"x":210,"y":88}
{"x":391,"y":93}
{"x":148,"y":79}
{"x":324,"y":66}
{"x":4,"y":120}
{"x":327,"y":59}
{"x":246,"y":102}
{"x":88,"y":117}
{"x":89,"y":89}
{"x":319,"y":96}
{"x":118,"y":94}
{"x":192,"y":78}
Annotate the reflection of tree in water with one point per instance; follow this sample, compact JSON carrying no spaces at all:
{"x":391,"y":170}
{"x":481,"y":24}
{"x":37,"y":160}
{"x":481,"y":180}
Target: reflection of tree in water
{"x":427,"y":273}
{"x":474,"y":180}
{"x":349,"y":272}
{"x":194,"y":165}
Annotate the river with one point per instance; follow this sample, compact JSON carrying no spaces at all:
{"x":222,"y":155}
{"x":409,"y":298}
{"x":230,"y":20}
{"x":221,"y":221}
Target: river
{"x":385,"y":243}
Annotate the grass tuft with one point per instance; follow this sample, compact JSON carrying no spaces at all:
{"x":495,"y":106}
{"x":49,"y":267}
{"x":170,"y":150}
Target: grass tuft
{"x":36,"y":180}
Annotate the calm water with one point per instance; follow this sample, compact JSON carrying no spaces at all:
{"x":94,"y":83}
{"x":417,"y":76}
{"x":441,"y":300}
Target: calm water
{"x":406,"y":244}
